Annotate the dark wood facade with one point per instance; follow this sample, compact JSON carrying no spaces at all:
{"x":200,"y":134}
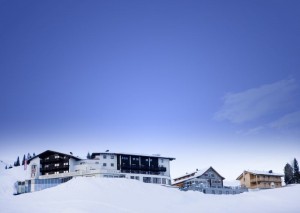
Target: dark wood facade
{"x":139,"y":164}
{"x":52,"y":162}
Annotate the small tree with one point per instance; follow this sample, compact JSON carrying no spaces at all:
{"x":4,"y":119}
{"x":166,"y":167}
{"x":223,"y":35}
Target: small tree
{"x":296,"y":171}
{"x":88,"y":156}
{"x":28,"y":156}
{"x":6,"y":167}
{"x":288,"y":174}
{"x":23,"y":161}
{"x":33,"y":154}
{"x":18,"y":161}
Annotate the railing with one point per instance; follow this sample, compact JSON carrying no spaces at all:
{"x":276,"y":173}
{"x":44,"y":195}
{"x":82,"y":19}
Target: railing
{"x":259,"y":179}
{"x":69,"y":174}
{"x":54,"y":168}
{"x":144,"y":168}
{"x":53,"y":159}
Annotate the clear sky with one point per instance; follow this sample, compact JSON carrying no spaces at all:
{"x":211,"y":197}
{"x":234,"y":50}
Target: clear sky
{"x":211,"y":83}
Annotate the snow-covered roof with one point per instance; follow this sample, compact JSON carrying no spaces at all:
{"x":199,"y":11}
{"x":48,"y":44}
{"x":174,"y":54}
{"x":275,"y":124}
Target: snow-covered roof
{"x":197,"y":173}
{"x":255,"y":172}
{"x":135,"y":154}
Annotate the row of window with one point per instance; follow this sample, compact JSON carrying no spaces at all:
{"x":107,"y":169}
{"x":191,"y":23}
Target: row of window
{"x":111,"y":156}
{"x":57,"y":165}
{"x":155,"y":180}
{"x":112,"y":164}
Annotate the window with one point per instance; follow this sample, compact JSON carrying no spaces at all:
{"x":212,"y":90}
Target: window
{"x":112,"y":157}
{"x":137,"y":177}
{"x":212,"y":175}
{"x":56,"y":165}
{"x":147,"y":179}
{"x":162,"y":160}
{"x":164,"y":181}
{"x":56,"y":156}
{"x":104,"y":156}
{"x":157,"y":180}
{"x":66,"y":164}
{"x":112,"y":164}
{"x":131,"y":177}
{"x":104,"y":164}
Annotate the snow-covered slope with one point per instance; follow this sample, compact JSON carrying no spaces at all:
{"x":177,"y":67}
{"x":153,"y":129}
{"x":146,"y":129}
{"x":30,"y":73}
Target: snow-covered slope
{"x":7,"y":179}
{"x":124,"y":195}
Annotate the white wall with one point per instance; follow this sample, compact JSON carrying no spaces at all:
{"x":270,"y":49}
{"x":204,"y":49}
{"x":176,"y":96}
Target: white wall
{"x":35,"y":161}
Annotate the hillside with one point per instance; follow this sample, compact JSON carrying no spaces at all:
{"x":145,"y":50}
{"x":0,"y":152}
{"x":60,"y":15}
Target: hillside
{"x":123,"y":195}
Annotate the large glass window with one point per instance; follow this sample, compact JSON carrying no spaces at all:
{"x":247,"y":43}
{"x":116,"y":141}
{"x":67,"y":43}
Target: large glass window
{"x":147,"y":179}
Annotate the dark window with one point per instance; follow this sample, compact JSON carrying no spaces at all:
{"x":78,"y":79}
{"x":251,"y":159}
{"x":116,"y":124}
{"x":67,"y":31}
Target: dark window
{"x":104,"y":164}
{"x":104,"y":156}
{"x":112,"y":165}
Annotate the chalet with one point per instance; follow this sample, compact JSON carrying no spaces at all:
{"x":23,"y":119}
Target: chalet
{"x":260,"y":179}
{"x":207,"y":177}
{"x":208,"y":181}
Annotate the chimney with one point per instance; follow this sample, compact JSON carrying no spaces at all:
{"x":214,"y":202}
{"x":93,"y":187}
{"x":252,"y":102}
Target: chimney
{"x":270,"y":171}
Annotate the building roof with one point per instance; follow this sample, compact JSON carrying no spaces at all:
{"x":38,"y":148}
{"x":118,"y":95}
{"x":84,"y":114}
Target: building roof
{"x":255,"y":172}
{"x":47,"y":152}
{"x":194,"y":175}
{"x":134,"y":154}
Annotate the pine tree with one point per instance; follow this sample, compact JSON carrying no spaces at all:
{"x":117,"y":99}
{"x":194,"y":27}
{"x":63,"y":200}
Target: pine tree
{"x":23,"y":161}
{"x":33,"y":154}
{"x":296,"y":171}
{"x":88,"y":156}
{"x":18,"y":162}
{"x":6,"y":167}
{"x":28,"y":156}
{"x":288,"y":174}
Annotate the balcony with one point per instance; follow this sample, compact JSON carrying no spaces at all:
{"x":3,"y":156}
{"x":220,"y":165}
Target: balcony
{"x":144,"y":168}
{"x":54,"y":168}
{"x":53,"y":160}
{"x":260,"y":179}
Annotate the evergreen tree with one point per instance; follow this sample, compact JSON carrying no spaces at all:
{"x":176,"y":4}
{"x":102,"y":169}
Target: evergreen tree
{"x":296,"y":171}
{"x":28,"y":156}
{"x":88,"y":156}
{"x":33,"y":155}
{"x":288,"y":174}
{"x":6,"y":167}
{"x":23,"y":161}
{"x":18,"y":162}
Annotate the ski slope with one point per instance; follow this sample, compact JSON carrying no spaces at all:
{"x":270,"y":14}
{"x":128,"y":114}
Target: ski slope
{"x":93,"y":194}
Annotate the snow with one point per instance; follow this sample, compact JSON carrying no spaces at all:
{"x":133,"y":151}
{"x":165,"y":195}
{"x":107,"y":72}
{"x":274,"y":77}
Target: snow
{"x":92,"y":194}
{"x":263,"y":173}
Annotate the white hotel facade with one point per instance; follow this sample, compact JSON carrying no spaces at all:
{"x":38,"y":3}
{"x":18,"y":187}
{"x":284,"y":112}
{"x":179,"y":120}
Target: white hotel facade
{"x":53,"y":168}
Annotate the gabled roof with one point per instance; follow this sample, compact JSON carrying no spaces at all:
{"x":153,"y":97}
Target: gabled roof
{"x":196,"y":174}
{"x":254,"y":172}
{"x":133,"y":154}
{"x":49,"y":152}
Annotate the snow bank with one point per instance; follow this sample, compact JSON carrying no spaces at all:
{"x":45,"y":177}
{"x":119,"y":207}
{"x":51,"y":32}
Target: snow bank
{"x":123,"y":195}
{"x":7,"y":179}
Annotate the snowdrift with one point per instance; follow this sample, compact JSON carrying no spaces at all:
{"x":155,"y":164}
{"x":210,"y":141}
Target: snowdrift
{"x":93,"y":194}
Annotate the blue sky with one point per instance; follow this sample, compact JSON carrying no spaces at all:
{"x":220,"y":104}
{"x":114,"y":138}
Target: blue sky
{"x":202,"y":81}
